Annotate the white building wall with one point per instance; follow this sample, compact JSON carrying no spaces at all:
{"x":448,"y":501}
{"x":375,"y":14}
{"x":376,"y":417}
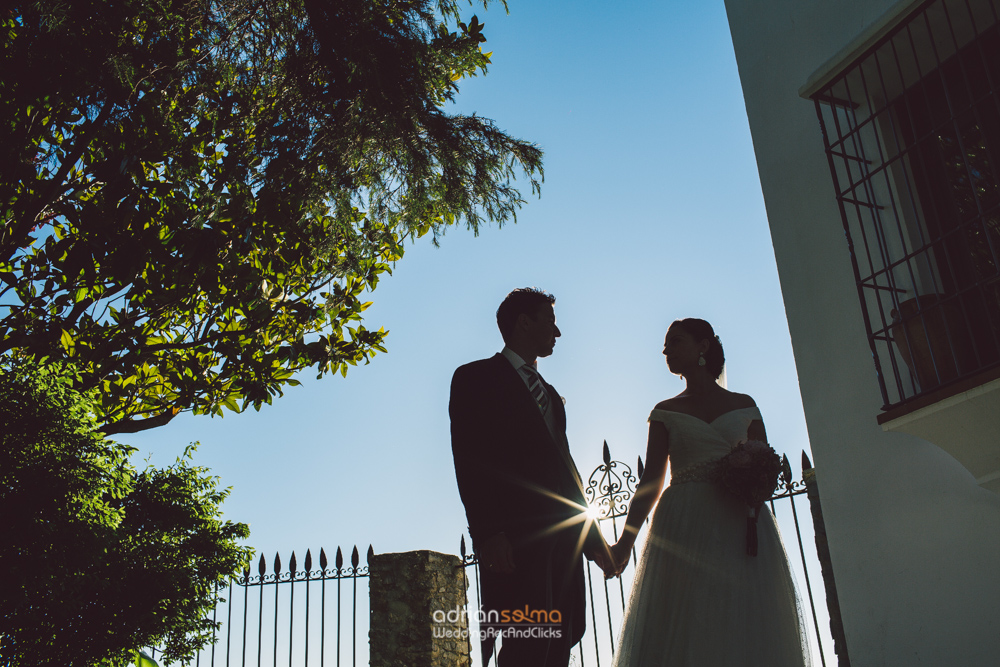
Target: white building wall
{"x":915,"y":542}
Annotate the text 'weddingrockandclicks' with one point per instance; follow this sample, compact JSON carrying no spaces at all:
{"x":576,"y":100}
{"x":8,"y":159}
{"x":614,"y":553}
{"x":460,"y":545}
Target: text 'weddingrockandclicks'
{"x":515,"y":623}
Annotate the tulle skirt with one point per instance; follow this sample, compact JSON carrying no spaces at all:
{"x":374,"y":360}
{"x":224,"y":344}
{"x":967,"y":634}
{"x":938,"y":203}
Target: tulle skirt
{"x":698,"y":599}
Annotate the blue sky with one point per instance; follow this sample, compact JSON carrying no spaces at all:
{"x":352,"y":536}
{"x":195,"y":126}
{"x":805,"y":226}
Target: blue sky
{"x":651,"y":211}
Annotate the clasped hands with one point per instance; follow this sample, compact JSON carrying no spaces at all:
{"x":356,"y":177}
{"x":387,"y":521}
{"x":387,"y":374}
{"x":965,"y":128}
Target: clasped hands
{"x":612,"y":559}
{"x":497,"y":556}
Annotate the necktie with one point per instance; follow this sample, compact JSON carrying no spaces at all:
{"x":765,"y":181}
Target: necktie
{"x":536,"y":388}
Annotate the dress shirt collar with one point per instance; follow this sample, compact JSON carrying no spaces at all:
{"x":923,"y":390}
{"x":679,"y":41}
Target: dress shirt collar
{"x":515,"y":360}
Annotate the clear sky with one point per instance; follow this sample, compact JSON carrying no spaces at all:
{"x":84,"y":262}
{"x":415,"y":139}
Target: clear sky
{"x":651,"y":211}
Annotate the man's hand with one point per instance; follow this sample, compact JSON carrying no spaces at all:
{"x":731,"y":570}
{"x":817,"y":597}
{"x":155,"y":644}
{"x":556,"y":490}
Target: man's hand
{"x":620,"y":553}
{"x":604,"y":558}
{"x":604,"y":562}
{"x":497,"y":556}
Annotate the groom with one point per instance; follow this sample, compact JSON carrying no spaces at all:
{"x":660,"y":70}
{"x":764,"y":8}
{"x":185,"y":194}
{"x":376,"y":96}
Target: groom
{"x":522,"y":493}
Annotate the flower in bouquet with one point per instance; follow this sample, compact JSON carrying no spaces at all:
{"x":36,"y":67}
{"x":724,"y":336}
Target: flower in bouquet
{"x":750,"y":472}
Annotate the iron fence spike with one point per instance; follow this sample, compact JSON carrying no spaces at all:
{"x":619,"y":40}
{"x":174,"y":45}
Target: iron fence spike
{"x":339,"y":561}
{"x":277,"y":563}
{"x":786,"y":470}
{"x":461,"y":548}
{"x":262,"y":566}
{"x":355,"y":558}
{"x":640,"y":467}
{"x":607,"y":453}
{"x":369,"y":555}
{"x":806,"y":463}
{"x":322,"y":558}
{"x":309,"y":561}
{"x":291,"y":565}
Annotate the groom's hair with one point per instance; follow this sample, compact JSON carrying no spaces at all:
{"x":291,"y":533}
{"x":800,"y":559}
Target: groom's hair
{"x":526,"y":300}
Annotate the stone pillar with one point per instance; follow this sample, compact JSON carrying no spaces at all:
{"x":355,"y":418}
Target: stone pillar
{"x":412,"y":594}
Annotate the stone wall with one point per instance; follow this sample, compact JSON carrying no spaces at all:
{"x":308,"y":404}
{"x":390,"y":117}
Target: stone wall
{"x":412,"y":594}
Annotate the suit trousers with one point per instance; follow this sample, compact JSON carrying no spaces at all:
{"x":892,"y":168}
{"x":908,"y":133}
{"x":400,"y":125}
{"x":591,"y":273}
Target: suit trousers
{"x":543,"y":585}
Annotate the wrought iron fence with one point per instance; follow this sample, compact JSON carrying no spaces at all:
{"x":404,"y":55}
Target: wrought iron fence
{"x":297,"y":617}
{"x":308,"y":637}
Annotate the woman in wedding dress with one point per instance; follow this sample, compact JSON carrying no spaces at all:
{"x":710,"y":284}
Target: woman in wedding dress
{"x":698,"y":599}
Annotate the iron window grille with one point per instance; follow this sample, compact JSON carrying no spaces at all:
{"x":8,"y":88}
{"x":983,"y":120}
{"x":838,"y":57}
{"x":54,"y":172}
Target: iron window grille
{"x":912,"y":134}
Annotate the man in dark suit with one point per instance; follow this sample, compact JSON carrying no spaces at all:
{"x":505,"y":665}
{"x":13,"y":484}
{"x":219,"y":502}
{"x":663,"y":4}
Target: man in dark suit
{"x":522,"y":492}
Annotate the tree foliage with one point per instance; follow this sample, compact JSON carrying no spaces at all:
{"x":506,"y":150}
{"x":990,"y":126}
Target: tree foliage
{"x":99,"y":559}
{"x":196,"y":194}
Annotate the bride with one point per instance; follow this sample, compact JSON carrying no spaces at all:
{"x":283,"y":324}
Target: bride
{"x":698,"y":599}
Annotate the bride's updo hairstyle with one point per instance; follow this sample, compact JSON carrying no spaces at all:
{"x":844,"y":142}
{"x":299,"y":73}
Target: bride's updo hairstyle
{"x":701,"y":330}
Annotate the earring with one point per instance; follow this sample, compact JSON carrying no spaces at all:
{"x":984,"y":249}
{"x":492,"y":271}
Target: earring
{"x":701,"y":359}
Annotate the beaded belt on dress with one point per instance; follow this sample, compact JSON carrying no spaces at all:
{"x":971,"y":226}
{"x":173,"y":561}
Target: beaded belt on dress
{"x":703,"y":472}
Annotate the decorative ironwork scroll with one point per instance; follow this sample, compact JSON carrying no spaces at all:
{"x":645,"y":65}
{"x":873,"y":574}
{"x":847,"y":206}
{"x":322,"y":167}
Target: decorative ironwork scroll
{"x":610,"y":487}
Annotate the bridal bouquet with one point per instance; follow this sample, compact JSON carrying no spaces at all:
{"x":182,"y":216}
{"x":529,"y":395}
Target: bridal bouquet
{"x":750,"y":472}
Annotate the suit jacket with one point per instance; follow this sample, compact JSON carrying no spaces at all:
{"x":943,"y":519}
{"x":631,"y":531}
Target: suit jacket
{"x":515,"y":478}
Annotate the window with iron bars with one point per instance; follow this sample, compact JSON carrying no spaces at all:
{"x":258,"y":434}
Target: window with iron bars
{"x":912,"y":133}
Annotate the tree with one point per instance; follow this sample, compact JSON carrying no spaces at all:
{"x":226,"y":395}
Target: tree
{"x":99,"y":560}
{"x":195,"y":194}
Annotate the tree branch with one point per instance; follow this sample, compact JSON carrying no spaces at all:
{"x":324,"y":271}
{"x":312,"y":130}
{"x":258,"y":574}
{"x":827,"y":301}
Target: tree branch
{"x":136,"y":425}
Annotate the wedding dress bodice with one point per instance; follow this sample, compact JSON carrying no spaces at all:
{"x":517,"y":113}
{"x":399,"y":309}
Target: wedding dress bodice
{"x":694,"y":442}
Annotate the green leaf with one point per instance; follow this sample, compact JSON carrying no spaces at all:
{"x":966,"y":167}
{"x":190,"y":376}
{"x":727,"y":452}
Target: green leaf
{"x":143,"y":660}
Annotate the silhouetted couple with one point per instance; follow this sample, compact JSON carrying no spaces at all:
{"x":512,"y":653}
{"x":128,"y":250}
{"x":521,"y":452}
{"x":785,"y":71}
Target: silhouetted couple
{"x":698,"y":599}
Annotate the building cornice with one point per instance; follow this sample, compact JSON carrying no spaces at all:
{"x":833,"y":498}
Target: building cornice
{"x":858,"y":48}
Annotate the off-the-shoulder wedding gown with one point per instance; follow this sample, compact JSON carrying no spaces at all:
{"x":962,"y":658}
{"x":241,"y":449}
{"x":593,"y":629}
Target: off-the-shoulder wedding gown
{"x":698,"y":599}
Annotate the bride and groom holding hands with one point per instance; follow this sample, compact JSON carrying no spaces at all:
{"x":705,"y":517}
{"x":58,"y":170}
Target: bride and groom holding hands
{"x":698,"y":599}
